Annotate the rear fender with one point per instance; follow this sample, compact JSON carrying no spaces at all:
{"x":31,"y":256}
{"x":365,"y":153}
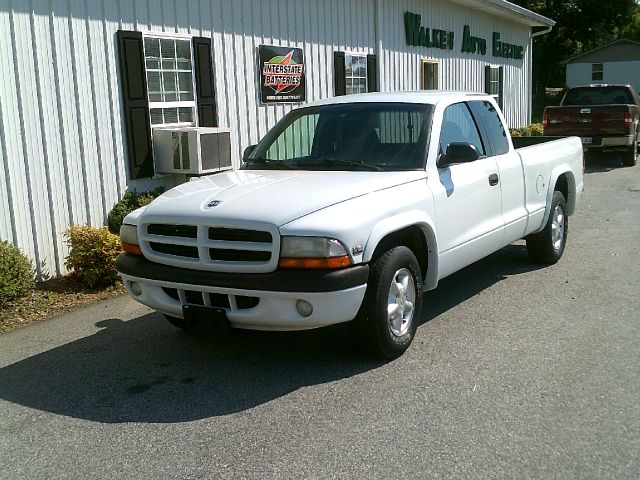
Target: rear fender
{"x":398,"y":222}
{"x":556,"y":173}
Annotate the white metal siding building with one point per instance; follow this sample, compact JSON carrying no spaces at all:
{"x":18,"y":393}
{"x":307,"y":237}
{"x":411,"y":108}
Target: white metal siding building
{"x":66,"y":146}
{"x":616,"y":62}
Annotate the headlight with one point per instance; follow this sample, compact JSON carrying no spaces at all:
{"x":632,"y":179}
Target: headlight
{"x":318,"y":247}
{"x":313,"y":252}
{"x":129,"y":239}
{"x":129,"y":234}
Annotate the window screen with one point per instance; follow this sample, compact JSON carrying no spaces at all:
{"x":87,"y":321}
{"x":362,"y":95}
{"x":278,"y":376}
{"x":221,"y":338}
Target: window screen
{"x":597,"y":71}
{"x":169,"y":80}
{"x":355,"y":73}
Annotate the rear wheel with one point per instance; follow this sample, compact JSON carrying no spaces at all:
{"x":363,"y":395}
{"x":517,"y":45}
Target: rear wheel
{"x":390,"y":314}
{"x":629,"y":158}
{"x":547,"y":246}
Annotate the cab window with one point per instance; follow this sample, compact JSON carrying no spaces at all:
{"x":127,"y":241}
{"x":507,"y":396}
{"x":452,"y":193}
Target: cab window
{"x":488,"y":117}
{"x":458,"y":126}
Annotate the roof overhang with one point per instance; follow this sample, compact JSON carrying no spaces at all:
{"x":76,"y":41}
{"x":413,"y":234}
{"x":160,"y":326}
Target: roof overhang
{"x":607,"y":45}
{"x":502,"y":8}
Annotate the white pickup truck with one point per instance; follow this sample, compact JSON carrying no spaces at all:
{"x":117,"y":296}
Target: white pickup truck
{"x":348,"y":210}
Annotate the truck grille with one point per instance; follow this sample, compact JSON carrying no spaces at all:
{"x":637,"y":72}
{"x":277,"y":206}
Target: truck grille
{"x":194,"y":297}
{"x":222,"y":248}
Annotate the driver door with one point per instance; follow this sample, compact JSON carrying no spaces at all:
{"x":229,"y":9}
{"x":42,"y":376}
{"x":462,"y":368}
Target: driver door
{"x":467,"y":197}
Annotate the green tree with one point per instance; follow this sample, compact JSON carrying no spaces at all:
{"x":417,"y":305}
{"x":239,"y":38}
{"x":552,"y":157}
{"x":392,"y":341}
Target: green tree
{"x":580,"y":26}
{"x":632,"y":30}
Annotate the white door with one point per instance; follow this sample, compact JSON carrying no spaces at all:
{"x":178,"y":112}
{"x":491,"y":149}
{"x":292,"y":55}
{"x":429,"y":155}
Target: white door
{"x":467,"y":197}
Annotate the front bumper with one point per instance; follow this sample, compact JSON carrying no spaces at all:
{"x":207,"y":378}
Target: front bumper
{"x":335,"y":295}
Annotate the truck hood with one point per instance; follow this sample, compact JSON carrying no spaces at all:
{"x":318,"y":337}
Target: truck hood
{"x":276,"y":197}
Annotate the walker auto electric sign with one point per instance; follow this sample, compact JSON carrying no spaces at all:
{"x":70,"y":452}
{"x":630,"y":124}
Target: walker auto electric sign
{"x":281,"y":74}
{"x":435,"y":38}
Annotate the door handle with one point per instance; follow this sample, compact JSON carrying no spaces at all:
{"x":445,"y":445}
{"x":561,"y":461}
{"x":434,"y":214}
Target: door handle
{"x":493,"y":179}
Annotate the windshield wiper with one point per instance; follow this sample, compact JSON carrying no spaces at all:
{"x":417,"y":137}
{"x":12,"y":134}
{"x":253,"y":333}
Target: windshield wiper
{"x":331,"y":161}
{"x":279,"y":164}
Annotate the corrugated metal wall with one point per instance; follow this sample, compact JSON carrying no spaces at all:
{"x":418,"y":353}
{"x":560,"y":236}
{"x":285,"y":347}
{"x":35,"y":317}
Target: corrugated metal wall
{"x":457,"y":71}
{"x":61,"y":125}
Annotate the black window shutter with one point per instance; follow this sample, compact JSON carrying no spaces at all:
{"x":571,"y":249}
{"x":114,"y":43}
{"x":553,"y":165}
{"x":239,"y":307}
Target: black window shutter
{"x":501,"y":88}
{"x":340,"y":86}
{"x":136,"y":104}
{"x":372,"y":73}
{"x":487,"y":79}
{"x":205,"y":89}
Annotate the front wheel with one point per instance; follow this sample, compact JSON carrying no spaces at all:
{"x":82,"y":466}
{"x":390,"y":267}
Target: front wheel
{"x":547,"y":246}
{"x":629,"y":158}
{"x":390,"y":313}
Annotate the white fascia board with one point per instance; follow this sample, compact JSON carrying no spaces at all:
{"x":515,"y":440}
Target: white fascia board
{"x":502,"y":8}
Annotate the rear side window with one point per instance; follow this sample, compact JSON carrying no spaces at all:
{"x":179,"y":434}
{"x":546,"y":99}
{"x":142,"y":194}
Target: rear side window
{"x":488,"y":117}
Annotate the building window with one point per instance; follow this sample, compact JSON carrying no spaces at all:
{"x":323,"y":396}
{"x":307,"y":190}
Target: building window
{"x":494,"y":83}
{"x":429,"y":75}
{"x":597,"y":71}
{"x":170,"y":80}
{"x":355,"y":73}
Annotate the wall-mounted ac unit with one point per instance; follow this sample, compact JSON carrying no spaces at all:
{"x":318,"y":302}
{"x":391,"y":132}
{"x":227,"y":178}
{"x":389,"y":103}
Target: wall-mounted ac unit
{"x":192,"y":150}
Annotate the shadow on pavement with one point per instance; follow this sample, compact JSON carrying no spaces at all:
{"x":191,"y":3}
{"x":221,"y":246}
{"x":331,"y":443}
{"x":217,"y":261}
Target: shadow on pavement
{"x":144,"y":370}
{"x":462,"y":285}
{"x":600,"y":162}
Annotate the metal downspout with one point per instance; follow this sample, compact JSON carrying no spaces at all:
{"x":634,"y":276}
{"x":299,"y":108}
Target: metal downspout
{"x":378,"y":39}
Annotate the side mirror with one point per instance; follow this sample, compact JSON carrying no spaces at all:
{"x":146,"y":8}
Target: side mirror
{"x":458,"y":152}
{"x":248,"y":151}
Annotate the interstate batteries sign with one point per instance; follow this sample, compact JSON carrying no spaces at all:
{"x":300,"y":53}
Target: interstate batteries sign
{"x":281,"y":74}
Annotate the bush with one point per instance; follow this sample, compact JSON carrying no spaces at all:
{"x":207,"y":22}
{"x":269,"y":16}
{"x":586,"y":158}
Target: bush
{"x":93,"y":255}
{"x":130,"y":202}
{"x":533,"y":130}
{"x":16,"y":273}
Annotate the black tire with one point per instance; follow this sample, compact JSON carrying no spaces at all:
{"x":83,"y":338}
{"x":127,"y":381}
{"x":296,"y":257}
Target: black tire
{"x":629,"y":158}
{"x":176,"y":322}
{"x":373,"y":327}
{"x":545,"y":246}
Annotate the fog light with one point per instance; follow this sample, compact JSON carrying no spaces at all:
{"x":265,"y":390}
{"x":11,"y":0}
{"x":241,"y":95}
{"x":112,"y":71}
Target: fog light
{"x":304,"y":308}
{"x":136,"y":289}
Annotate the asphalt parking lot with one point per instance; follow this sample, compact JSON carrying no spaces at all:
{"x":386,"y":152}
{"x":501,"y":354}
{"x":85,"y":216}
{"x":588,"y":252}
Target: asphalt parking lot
{"x":517,"y":371}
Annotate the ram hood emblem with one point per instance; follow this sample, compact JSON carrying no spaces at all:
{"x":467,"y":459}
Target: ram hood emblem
{"x":214,"y":203}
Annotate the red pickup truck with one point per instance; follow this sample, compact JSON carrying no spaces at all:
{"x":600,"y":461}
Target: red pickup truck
{"x":606,"y":117}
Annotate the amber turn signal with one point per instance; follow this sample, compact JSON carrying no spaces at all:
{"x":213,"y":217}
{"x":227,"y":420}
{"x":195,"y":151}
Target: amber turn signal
{"x":330,"y":262}
{"x":129,"y":248}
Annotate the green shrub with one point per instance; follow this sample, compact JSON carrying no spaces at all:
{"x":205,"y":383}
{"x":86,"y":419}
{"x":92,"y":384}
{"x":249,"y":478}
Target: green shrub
{"x":130,"y":202}
{"x":92,"y":256}
{"x":533,"y":130}
{"x":16,"y":273}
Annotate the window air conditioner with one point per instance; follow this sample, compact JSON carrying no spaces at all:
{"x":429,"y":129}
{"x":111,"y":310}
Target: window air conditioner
{"x":192,"y":150}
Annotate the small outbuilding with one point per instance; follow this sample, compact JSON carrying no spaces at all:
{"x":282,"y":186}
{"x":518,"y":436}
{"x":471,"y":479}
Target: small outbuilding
{"x":615,"y":62}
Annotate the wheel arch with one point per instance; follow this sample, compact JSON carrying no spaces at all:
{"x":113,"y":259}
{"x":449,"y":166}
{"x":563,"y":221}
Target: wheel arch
{"x":562,"y":180}
{"x":414,"y":230}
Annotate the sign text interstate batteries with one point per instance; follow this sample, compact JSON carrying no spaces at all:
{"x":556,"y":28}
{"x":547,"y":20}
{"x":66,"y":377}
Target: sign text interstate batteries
{"x":275,"y":73}
{"x":434,"y":38}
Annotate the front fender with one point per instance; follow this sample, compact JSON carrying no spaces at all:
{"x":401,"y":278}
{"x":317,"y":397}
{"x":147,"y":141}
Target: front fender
{"x":389,"y":225}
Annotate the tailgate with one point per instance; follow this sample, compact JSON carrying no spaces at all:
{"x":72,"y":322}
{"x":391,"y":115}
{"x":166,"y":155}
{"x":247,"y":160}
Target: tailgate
{"x":587,"y":120}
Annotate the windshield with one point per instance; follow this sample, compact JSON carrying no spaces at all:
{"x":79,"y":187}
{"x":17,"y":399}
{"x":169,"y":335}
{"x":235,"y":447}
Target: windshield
{"x":598,"y":96}
{"x":354,"y":136}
